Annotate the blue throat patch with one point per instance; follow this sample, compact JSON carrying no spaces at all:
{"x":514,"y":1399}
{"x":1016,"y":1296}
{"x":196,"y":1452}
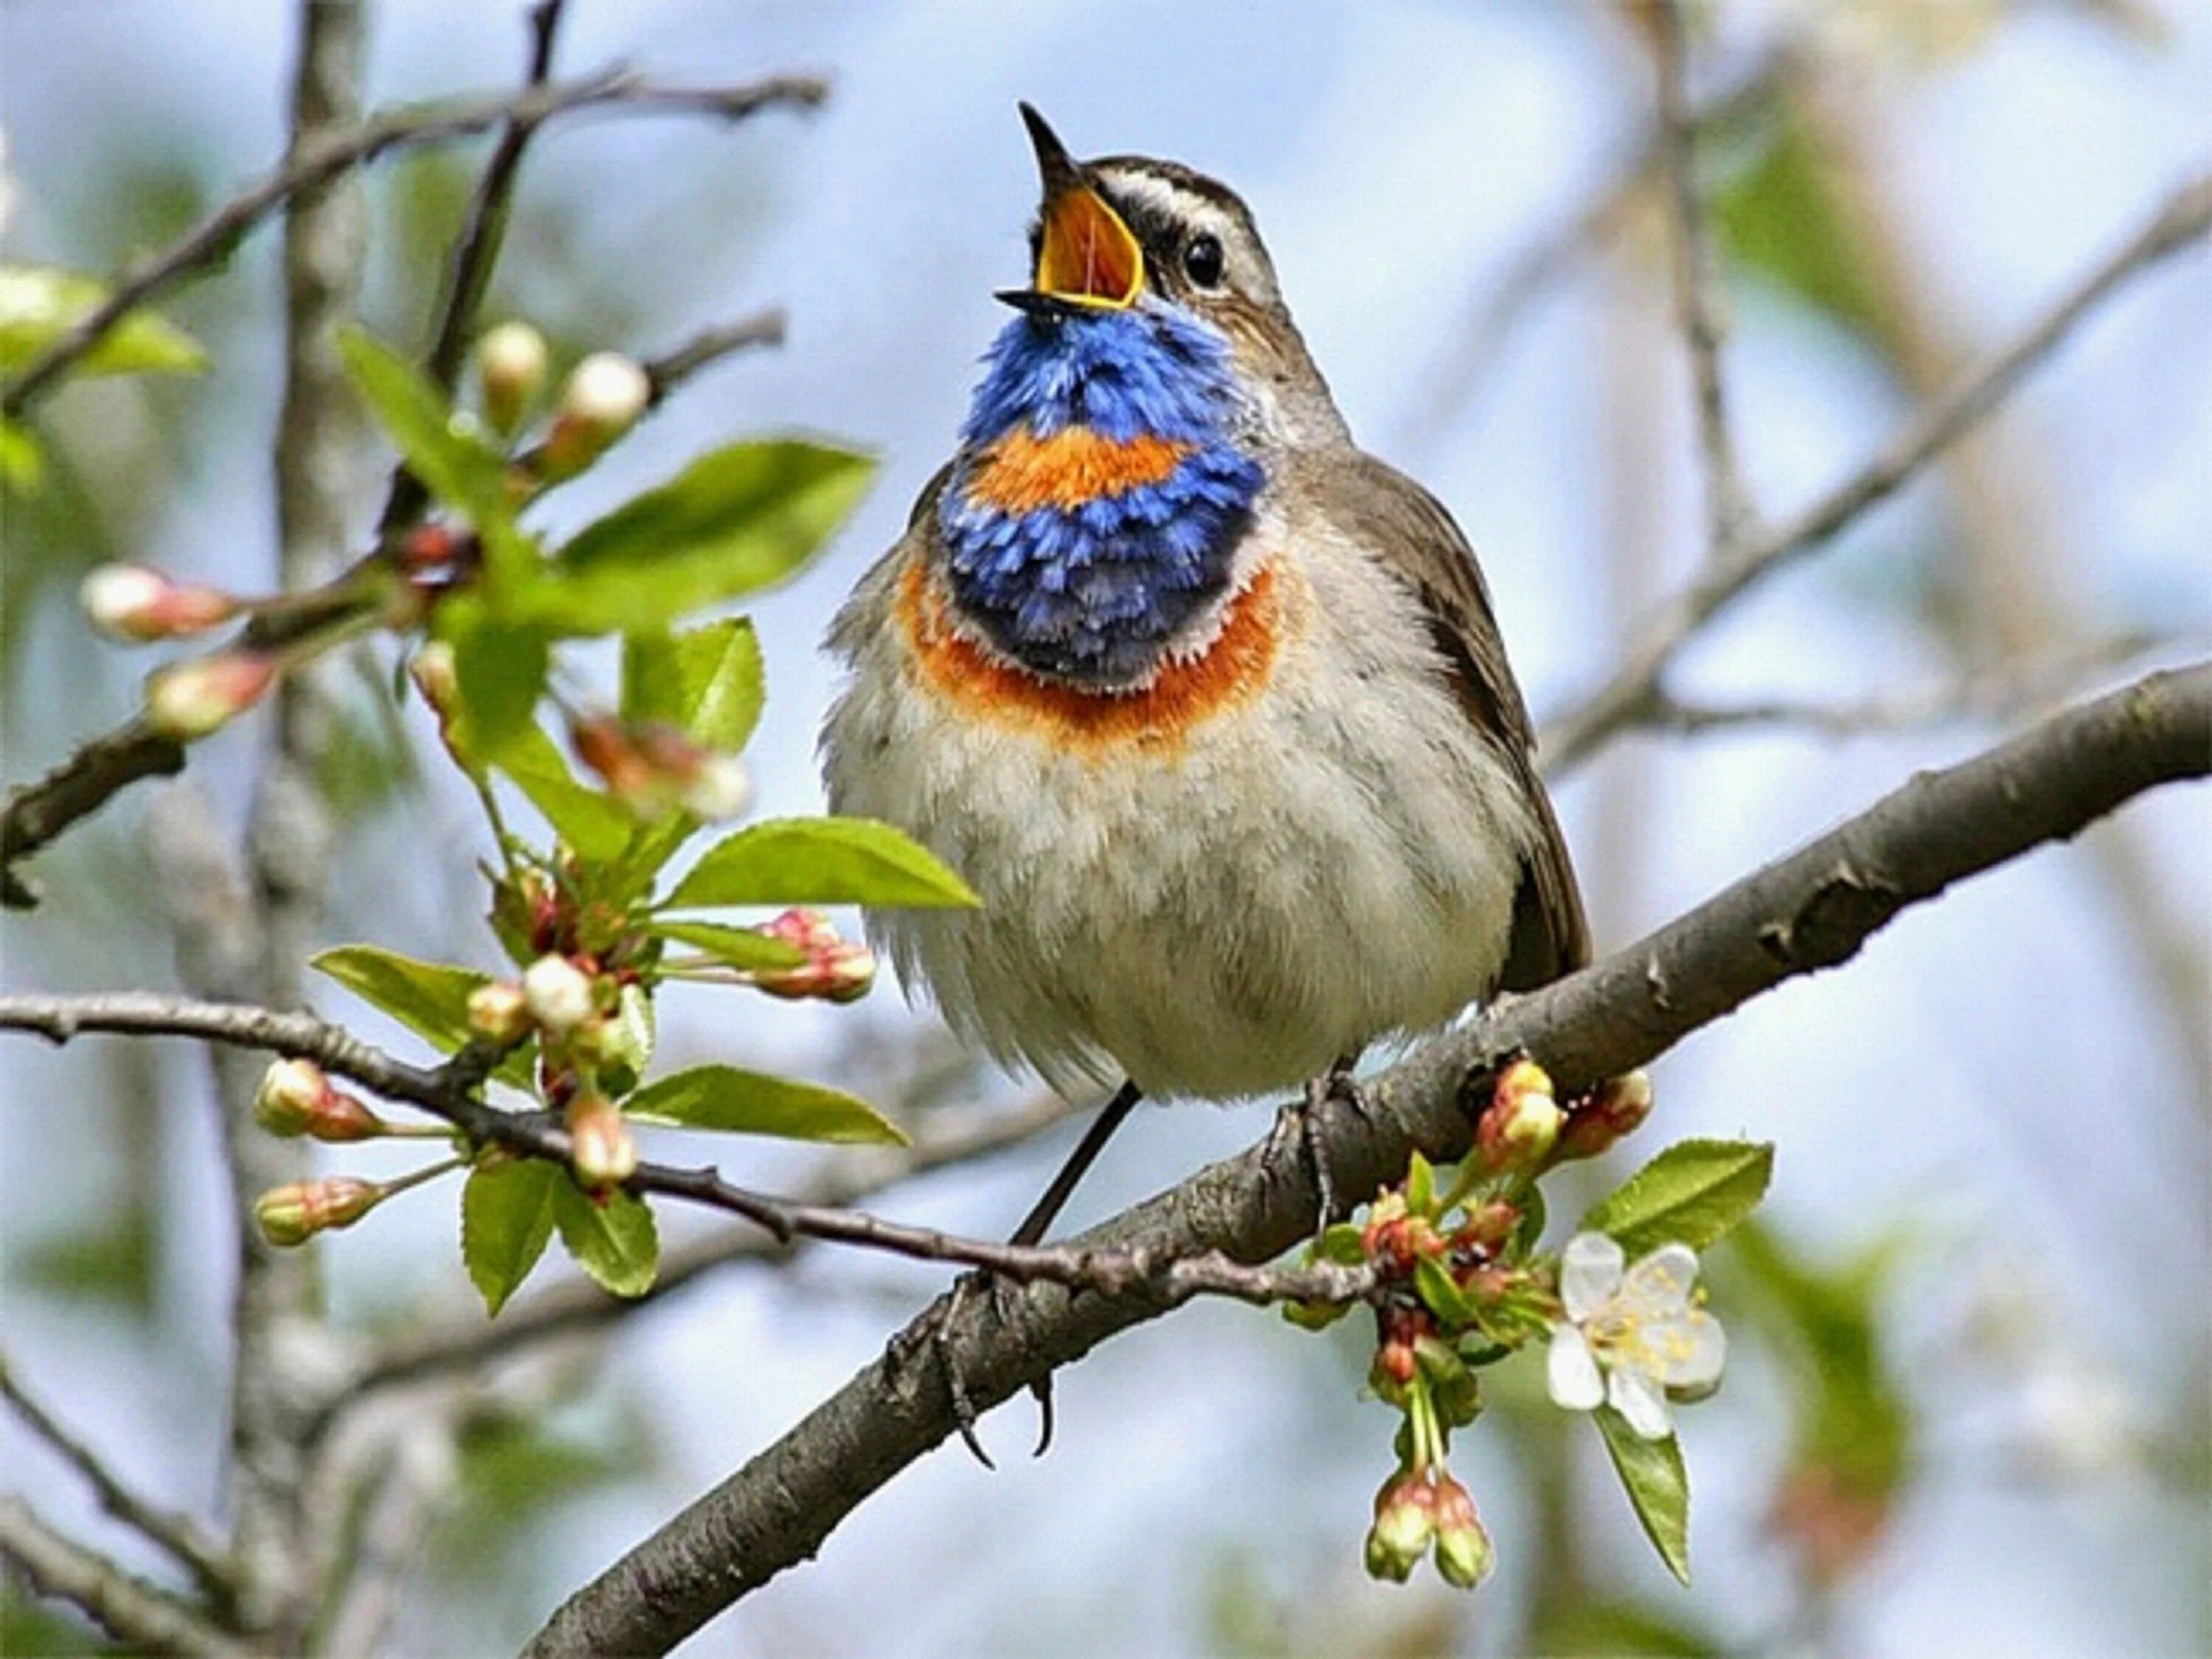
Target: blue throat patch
{"x":1099,"y":496}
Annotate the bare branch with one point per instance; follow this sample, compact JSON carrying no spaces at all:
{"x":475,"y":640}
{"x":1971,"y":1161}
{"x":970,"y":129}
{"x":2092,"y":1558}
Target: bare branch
{"x":1811,"y":910}
{"x":663,"y":374}
{"x":2184,"y":218}
{"x":193,"y":1546}
{"x":34,"y":813}
{"x":125,"y":1606}
{"x":211,"y":241}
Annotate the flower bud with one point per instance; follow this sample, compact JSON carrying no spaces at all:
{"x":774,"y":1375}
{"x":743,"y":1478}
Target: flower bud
{"x":1617,"y":1108}
{"x":435,"y":676}
{"x":837,"y":973}
{"x":499,"y":1013}
{"x":599,"y":1142}
{"x":511,"y":364}
{"x":1464,"y":1556}
{"x":718,"y":788}
{"x":293,"y":1214}
{"x":189,"y":700}
{"x":292,"y":1092}
{"x":1522,"y":1123}
{"x":558,"y":994}
{"x":1405,"y":1523}
{"x":136,"y":602}
{"x":1490,"y":1224}
{"x":601,"y":399}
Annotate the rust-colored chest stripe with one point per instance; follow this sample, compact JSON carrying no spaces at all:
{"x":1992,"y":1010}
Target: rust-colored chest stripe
{"x":1184,"y":691}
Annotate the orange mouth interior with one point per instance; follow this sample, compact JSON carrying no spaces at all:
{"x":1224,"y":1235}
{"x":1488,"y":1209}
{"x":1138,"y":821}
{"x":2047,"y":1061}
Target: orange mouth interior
{"x":1088,"y":255}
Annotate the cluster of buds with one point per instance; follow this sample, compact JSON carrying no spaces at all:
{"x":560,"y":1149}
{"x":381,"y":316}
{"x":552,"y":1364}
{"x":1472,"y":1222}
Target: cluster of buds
{"x":836,"y":969}
{"x":295,"y":1213}
{"x":579,"y":1015}
{"x":600,"y":400}
{"x":1520,"y":1126}
{"x":136,"y":602}
{"x":188,"y":701}
{"x":654,"y":768}
{"x":296,"y":1098}
{"x":1419,"y":1510}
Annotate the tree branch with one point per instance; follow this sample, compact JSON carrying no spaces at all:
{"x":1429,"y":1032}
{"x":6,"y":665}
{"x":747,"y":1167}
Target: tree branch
{"x":2184,"y":218}
{"x":211,"y":241}
{"x":1810,"y":910}
{"x":184,"y":1538}
{"x":125,"y":1606}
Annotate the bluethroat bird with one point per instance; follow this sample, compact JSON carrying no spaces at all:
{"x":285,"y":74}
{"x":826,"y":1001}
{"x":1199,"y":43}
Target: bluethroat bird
{"x":1206,"y":704}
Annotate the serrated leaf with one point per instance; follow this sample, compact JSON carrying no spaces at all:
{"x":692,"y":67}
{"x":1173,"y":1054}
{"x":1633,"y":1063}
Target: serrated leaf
{"x":652,"y":679}
{"x":736,"y":520}
{"x":1658,"y":1486}
{"x":39,"y":305}
{"x":506,"y":1217}
{"x":741,"y":948}
{"x":737,"y":1102}
{"x":430,"y":999}
{"x":828,"y":861}
{"x":1695,"y":1193}
{"x":455,"y":466}
{"x":723,"y":683}
{"x":612,"y":1237}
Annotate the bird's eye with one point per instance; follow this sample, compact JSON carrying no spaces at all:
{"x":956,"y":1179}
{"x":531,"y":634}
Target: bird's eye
{"x":1201,"y":261}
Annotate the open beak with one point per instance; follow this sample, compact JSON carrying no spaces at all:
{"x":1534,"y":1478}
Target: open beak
{"x":1087,"y":258}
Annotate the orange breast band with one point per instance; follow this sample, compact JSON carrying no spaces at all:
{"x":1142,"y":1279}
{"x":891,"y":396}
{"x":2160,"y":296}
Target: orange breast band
{"x":1023,"y":472}
{"x":1182,"y":692}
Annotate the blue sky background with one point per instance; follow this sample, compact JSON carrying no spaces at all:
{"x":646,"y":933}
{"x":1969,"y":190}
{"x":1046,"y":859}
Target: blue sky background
{"x":1998,"y":1074}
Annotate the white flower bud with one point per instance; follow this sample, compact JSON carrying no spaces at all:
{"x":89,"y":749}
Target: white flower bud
{"x":720,"y":788}
{"x":558,"y":993}
{"x":511,"y":364}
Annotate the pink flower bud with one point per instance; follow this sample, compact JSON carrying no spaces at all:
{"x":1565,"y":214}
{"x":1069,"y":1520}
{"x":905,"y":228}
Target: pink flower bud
{"x":834,"y":973}
{"x":292,"y":1092}
{"x":558,"y":994}
{"x":511,"y":364}
{"x":293,"y":1214}
{"x":136,"y":602}
{"x":1405,"y":1524}
{"x":189,"y":700}
{"x":500,"y":1012}
{"x":599,"y":1142}
{"x":1464,"y":1556}
{"x":601,"y":399}
{"x":1617,"y":1108}
{"x":1522,"y":1123}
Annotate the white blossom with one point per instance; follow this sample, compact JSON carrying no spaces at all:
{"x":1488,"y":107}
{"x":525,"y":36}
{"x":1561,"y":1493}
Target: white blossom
{"x":1631,"y":1333}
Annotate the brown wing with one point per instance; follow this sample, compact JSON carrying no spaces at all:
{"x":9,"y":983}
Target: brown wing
{"x":1409,"y":531}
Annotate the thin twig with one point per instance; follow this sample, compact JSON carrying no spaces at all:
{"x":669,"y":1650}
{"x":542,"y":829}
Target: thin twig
{"x":663,"y":374}
{"x":124,"y":1605}
{"x":1697,"y":310}
{"x":1809,"y":911}
{"x":211,"y":241}
{"x":445,"y":1093}
{"x":193,"y":1545}
{"x":2184,"y":218}
{"x":34,"y":813}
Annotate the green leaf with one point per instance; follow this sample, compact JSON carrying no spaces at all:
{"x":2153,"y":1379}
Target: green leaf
{"x":1420,"y":1185}
{"x":39,"y":305}
{"x":593,"y":822}
{"x":652,"y":678}
{"x":500,"y":669}
{"x":430,"y":999}
{"x":754,"y":1103}
{"x":612,"y":1237}
{"x":734,"y":521}
{"x":1441,"y":1293}
{"x":1784,"y":217}
{"x":827,"y":861}
{"x":451,"y":462}
{"x":740,"y":947}
{"x":1345,"y":1244}
{"x":22,"y":463}
{"x":723,"y":683}
{"x":1657,"y":1484}
{"x":1694,"y":1192}
{"x":506,"y":1217}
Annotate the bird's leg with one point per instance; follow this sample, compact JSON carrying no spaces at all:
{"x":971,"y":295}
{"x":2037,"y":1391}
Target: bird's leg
{"x":1034,"y":1225}
{"x":1298,"y":1126}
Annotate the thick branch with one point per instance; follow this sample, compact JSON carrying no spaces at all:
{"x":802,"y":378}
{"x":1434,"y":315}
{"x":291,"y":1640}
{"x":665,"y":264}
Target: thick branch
{"x":211,"y":241}
{"x":1810,"y":910}
{"x":2185,"y":218}
{"x":190,"y":1543}
{"x":125,"y":1606}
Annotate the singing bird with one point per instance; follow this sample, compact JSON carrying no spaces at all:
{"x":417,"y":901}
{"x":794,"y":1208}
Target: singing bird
{"x":1207,"y":704}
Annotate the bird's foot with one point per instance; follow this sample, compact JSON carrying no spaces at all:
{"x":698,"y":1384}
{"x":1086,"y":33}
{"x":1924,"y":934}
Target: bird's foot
{"x":1298,"y":1129}
{"x":934,"y":1332}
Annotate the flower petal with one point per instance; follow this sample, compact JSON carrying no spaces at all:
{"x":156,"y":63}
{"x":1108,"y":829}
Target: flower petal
{"x":1638,"y":1398}
{"x":1589,"y":1273}
{"x":1571,"y":1371}
{"x":1684,"y":1352}
{"x":1659,"y":1283}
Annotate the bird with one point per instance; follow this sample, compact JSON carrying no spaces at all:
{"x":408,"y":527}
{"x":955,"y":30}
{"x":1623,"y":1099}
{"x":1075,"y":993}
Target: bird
{"x":1207,"y":705}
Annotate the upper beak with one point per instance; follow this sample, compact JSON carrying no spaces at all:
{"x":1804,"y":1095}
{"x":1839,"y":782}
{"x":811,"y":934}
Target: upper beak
{"x":1087,"y":257}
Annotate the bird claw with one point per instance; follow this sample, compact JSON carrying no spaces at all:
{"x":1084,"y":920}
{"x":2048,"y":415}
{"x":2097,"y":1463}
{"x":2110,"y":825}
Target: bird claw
{"x":937,"y":1338}
{"x":1299,"y":1125}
